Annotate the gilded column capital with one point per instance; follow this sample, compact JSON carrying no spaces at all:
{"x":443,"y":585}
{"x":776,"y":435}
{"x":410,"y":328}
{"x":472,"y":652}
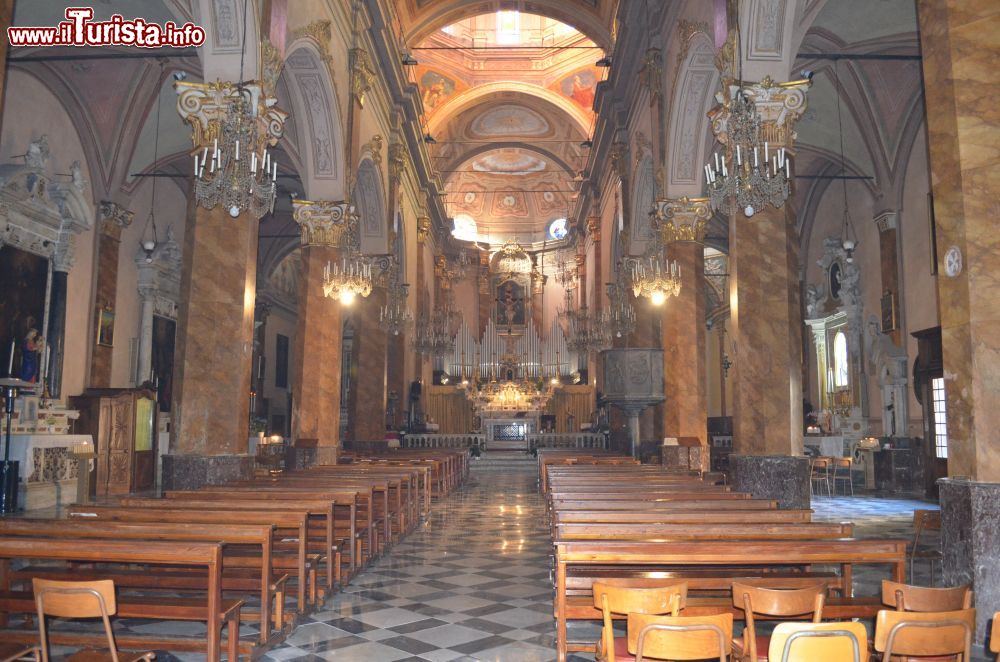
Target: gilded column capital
{"x":362,"y":74}
{"x":204,"y":105}
{"x":686,"y":30}
{"x":779,"y":105}
{"x":397,"y":162}
{"x":326,"y":223}
{"x":651,"y":73}
{"x":374,"y":149}
{"x":594,"y":227}
{"x":682,"y":219}
{"x":271,"y":63}
{"x":423,"y":228}
{"x":114,"y":218}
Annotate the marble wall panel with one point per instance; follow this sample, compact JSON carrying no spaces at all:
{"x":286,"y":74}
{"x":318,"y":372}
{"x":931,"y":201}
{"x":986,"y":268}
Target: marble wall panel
{"x":366,"y":420}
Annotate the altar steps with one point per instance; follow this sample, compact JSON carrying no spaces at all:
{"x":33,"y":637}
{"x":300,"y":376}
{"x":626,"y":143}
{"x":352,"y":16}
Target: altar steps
{"x":520,"y":445}
{"x":493,"y":460}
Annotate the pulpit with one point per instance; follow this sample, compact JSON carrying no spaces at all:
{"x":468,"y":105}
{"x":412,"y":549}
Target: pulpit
{"x":633,"y":380}
{"x":122,"y":424}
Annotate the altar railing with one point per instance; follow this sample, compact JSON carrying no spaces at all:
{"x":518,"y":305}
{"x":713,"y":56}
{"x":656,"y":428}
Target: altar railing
{"x":445,"y":441}
{"x":580,"y":440}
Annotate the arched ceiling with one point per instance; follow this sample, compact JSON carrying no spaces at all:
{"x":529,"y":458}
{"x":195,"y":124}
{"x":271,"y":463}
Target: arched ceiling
{"x":508,"y":99}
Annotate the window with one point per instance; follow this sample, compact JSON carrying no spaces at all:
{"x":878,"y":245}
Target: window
{"x":508,"y":27}
{"x":940,"y":418}
{"x":465,"y":228}
{"x":841,"y":371}
{"x":558,"y":229}
{"x":281,"y":362}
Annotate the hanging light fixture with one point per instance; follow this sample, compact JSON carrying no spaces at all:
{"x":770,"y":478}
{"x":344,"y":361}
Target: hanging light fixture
{"x":148,"y":241}
{"x":238,"y":172}
{"x":748,"y":175}
{"x":654,"y":278}
{"x":584,"y":331}
{"x":619,"y":318}
{"x":434,"y":333}
{"x":348,"y":279}
{"x":848,"y":237}
{"x":393,"y":317}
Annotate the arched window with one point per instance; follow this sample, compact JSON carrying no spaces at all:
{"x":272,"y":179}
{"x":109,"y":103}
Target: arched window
{"x":465,"y":228}
{"x":558,"y":229}
{"x":841,"y":371}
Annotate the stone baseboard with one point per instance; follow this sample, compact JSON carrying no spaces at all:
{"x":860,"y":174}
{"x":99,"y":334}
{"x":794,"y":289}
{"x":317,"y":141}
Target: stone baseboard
{"x":190,"y":472}
{"x":784,"y":478}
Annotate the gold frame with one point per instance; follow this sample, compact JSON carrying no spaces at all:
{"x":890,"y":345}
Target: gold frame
{"x":889,"y":321}
{"x":106,"y":327}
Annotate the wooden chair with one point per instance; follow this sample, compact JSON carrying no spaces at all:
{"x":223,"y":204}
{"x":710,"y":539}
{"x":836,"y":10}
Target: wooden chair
{"x":17,"y":652}
{"x":624,"y":596}
{"x":753,"y":600}
{"x":925,"y":634}
{"x":842,"y":468}
{"x":95,"y":599}
{"x":680,"y":637}
{"x":819,"y":642}
{"x":905,"y":597}
{"x":925,"y":520}
{"x":821,"y":474}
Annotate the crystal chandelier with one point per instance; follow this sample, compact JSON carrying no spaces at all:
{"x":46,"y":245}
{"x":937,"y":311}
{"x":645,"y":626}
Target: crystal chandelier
{"x":347,"y":279}
{"x":393,"y":317}
{"x":585,"y":332}
{"x":434,"y":334}
{"x":619,"y":318}
{"x":654,"y":279}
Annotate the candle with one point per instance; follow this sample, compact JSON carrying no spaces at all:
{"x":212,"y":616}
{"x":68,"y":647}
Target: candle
{"x":237,"y":150}
{"x":253,"y":162}
{"x":739,"y":157}
{"x":756,"y":164}
{"x":716,"y":160}
{"x":45,"y":361}
{"x":765,"y":152}
{"x":10,"y":362}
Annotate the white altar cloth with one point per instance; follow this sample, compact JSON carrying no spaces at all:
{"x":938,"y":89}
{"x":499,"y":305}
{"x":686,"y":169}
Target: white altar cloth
{"x":22,"y":445}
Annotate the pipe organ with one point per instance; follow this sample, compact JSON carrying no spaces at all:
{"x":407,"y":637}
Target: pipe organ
{"x":503,"y":354}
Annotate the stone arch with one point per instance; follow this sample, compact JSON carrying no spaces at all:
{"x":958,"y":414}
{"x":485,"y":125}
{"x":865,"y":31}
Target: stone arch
{"x":483,"y":93}
{"x":317,"y":110}
{"x":369,"y":201}
{"x":689,"y":123}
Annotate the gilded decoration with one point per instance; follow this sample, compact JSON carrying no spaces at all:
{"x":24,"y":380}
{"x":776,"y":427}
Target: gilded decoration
{"x":397,"y":162}
{"x":619,"y":159}
{"x":362,"y":74}
{"x":319,"y":32}
{"x":511,"y":259}
{"x":682,"y":219}
{"x":686,"y":30}
{"x":374,"y":147}
{"x":651,"y":74}
{"x":594,"y":227}
{"x":203,"y":106}
{"x":326,"y":223}
{"x":270,"y":67}
{"x":423,"y":228}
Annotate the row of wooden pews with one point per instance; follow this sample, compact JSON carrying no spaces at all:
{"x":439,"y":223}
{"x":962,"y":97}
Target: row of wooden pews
{"x":613,"y":519}
{"x":269,"y":550}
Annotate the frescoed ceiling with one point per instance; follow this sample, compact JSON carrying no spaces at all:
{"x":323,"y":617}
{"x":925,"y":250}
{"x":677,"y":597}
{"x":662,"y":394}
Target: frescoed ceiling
{"x":508,"y":100}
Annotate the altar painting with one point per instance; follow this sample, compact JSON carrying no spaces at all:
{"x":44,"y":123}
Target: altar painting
{"x":510,"y":303}
{"x":23,"y":280}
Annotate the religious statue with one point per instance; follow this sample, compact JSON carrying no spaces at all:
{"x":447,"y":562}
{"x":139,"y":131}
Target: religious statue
{"x":38,"y":153}
{"x":814,"y":293}
{"x":510,"y":304}
{"x":77,"y":174}
{"x":31,"y":350}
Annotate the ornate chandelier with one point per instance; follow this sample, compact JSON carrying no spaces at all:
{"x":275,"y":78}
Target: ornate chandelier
{"x":655,"y":279}
{"x":619,"y":318}
{"x":393,"y":317}
{"x":348,"y":279}
{"x":585,"y":331}
{"x":434,"y":334}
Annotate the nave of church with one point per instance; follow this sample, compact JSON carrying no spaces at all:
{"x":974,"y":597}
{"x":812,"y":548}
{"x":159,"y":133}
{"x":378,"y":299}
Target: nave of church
{"x":304,"y":300}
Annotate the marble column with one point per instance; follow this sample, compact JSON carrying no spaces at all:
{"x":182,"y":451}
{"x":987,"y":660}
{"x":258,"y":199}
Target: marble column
{"x":958,"y":44}
{"x":261,"y":313}
{"x":766,"y":318}
{"x":113,"y":218}
{"x":211,"y":408}
{"x":366,"y":401}
{"x":326,"y":229}
{"x":55,"y":334}
{"x":685,"y":411}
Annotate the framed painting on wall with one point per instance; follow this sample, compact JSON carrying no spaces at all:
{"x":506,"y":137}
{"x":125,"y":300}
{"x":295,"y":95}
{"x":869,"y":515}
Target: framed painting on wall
{"x":106,"y":327}
{"x":888,"y":312}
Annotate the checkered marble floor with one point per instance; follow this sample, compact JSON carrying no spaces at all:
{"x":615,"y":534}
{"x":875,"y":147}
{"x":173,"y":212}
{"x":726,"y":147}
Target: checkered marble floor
{"x":473,"y":582}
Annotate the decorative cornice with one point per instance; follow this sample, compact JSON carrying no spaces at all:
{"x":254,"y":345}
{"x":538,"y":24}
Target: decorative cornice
{"x":203,"y":106}
{"x":363,"y":75}
{"x":326,"y":223}
{"x":320,"y":33}
{"x":682,"y":219}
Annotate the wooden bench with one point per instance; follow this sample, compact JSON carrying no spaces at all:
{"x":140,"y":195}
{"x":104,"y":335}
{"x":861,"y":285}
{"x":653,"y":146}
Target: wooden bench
{"x":212,"y":610}
{"x":704,"y":554}
{"x":288,"y":524}
{"x":700,"y":531}
{"x":682,"y":516}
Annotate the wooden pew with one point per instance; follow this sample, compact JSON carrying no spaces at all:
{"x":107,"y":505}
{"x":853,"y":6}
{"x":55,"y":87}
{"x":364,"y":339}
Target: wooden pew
{"x":698,"y":555}
{"x":213,"y":610}
{"x":700,"y":531}
{"x":270,"y":588}
{"x":682,"y":503}
{"x":681,"y":516}
{"x":288,"y":524}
